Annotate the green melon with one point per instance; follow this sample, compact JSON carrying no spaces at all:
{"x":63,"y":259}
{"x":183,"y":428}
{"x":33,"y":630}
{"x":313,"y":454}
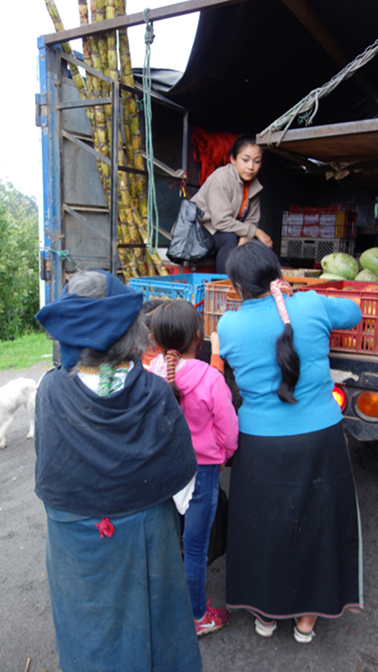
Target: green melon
{"x":341,"y":264}
{"x":369,"y":259}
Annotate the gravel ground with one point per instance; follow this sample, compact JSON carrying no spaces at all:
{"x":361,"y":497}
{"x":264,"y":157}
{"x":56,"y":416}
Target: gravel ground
{"x":348,"y":644}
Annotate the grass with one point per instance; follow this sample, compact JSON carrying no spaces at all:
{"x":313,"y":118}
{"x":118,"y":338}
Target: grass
{"x":25,"y":351}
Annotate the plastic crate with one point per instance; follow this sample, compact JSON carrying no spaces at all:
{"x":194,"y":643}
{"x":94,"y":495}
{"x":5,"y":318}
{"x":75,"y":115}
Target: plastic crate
{"x":334,"y":221}
{"x":363,"y":339}
{"x":314,"y":248}
{"x":189,"y":286}
{"x":215,"y":303}
{"x":221,"y":296}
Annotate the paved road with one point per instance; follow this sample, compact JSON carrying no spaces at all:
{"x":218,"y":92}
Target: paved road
{"x":349,"y":644}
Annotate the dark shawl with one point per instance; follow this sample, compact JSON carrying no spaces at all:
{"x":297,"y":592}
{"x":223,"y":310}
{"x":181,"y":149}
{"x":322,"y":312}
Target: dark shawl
{"x":99,"y":456}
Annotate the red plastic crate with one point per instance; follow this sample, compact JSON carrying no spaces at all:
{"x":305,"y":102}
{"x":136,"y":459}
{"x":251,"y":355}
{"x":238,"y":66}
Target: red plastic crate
{"x":363,"y":339}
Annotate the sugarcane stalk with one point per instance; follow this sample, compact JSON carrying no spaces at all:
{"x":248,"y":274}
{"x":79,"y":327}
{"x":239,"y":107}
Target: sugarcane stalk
{"x":143,"y":232}
{"x":123,"y":51}
{"x":93,"y":11}
{"x":87,"y":57}
{"x":103,"y":126}
{"x":132,"y":120}
{"x":131,"y":111}
{"x":125,"y":210}
{"x":58,"y":25}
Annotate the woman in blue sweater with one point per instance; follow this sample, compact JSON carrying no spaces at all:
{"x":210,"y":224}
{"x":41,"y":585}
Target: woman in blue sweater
{"x":294,"y":548}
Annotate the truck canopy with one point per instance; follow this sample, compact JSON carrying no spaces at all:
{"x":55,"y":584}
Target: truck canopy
{"x":252,"y":61}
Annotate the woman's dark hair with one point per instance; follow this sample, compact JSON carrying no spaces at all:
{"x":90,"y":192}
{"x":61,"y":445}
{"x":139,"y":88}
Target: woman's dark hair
{"x":129,"y":346}
{"x":240,"y":142}
{"x":174,"y":326}
{"x":251,"y":268}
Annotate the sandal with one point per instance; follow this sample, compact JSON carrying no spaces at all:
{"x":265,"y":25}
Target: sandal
{"x":265,"y":630}
{"x":303,"y":637}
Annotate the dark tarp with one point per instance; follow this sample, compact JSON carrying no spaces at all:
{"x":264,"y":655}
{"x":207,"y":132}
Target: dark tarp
{"x":252,"y":61}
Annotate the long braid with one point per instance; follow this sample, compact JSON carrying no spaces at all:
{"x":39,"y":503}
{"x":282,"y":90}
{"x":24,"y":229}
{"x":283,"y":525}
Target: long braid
{"x":287,"y":358}
{"x":173,"y":357}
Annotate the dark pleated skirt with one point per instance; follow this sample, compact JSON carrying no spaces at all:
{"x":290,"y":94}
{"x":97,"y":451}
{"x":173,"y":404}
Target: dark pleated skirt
{"x":294,"y":545}
{"x":121,"y":603}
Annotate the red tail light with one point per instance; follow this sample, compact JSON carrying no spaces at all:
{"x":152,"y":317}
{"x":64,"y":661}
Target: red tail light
{"x":340,"y":396}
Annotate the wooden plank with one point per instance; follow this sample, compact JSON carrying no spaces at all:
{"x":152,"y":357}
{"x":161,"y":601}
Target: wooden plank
{"x":351,"y":141}
{"x":126,"y":21}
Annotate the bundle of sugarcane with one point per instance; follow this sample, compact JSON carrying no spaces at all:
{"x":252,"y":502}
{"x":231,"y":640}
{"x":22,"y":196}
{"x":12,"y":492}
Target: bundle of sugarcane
{"x":101,"y":53}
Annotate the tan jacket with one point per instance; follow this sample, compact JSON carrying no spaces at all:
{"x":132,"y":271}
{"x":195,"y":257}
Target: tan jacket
{"x":220,"y":198}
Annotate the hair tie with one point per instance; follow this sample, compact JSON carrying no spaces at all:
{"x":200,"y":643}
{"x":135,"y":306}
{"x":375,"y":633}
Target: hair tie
{"x":277,"y":287}
{"x":172,"y":358}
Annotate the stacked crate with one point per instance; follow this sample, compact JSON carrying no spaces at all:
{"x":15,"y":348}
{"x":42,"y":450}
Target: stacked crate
{"x":313,"y":232}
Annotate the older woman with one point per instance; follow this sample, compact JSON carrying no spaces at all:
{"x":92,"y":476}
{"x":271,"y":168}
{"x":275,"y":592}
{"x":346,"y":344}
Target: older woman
{"x":113,"y":449}
{"x":294,"y":547}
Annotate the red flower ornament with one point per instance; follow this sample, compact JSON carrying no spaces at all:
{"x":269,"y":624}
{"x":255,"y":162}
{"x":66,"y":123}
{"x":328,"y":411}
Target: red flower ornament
{"x":105,"y":527}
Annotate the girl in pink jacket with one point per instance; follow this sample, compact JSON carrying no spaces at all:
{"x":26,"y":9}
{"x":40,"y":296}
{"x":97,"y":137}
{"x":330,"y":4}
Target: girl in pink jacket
{"x":207,"y":405}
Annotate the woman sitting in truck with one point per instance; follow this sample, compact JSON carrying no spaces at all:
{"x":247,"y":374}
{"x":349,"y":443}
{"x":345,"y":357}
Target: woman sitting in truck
{"x":114,"y":456}
{"x":294,"y":547}
{"x":231,"y":202}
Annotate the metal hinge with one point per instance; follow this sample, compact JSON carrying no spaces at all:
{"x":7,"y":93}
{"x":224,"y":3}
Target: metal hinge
{"x":40,"y":109}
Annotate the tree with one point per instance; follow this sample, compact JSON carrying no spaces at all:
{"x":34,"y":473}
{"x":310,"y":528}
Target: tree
{"x":19,"y":286}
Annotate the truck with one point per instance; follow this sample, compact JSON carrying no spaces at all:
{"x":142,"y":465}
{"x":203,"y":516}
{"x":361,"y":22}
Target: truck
{"x":78,"y":227}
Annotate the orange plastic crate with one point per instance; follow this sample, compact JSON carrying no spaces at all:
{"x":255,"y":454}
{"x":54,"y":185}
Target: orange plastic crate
{"x":221,"y":296}
{"x":363,"y":339}
{"x":215,"y":303}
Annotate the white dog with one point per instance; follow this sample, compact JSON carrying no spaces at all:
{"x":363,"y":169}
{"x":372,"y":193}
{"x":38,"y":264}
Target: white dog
{"x":14,"y":394}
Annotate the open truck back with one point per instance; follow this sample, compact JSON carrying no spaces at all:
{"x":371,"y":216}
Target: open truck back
{"x":79,"y":226}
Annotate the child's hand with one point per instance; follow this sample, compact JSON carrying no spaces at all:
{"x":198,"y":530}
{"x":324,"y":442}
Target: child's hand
{"x":214,"y":340}
{"x":242,"y":240}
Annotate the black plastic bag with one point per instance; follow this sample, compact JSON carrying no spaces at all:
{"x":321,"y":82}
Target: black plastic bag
{"x":190,"y":240}
{"x":218,"y":534}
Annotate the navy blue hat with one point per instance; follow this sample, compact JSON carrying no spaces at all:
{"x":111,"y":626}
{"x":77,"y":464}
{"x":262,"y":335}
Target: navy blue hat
{"x":79,"y":322}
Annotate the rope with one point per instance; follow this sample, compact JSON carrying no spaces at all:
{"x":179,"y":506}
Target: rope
{"x":152,"y":229}
{"x":62,"y":254}
{"x":308,"y":106}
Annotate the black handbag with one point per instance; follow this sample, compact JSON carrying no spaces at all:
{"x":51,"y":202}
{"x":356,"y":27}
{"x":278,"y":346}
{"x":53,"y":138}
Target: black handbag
{"x":190,"y":240}
{"x":218,"y":534}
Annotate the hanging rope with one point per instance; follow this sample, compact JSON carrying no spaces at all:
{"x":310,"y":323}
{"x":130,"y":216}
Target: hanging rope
{"x":152,"y":228}
{"x":308,"y":106}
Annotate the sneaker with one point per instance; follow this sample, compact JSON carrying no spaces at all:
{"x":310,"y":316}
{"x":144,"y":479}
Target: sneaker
{"x":213,"y":620}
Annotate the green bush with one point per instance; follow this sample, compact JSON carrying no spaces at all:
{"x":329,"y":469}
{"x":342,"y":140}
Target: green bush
{"x":19,"y":285}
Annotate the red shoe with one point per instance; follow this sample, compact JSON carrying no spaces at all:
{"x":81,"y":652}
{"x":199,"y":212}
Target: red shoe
{"x":213,"y":620}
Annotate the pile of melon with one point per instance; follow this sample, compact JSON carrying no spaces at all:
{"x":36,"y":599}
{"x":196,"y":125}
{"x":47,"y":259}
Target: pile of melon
{"x":341,"y":266}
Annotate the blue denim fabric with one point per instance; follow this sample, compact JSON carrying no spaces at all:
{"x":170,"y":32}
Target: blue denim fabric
{"x":199,"y":519}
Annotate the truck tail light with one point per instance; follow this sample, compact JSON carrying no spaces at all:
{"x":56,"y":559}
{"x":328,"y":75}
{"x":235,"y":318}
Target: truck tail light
{"x":366,"y":406}
{"x":340,"y":396}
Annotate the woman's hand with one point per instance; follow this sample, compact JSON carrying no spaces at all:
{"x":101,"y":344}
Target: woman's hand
{"x":214,"y":340}
{"x":263,"y":237}
{"x":222,"y":466}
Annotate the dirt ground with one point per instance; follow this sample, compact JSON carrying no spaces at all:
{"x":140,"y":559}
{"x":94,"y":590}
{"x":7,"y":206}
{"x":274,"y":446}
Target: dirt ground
{"x":348,"y":644}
